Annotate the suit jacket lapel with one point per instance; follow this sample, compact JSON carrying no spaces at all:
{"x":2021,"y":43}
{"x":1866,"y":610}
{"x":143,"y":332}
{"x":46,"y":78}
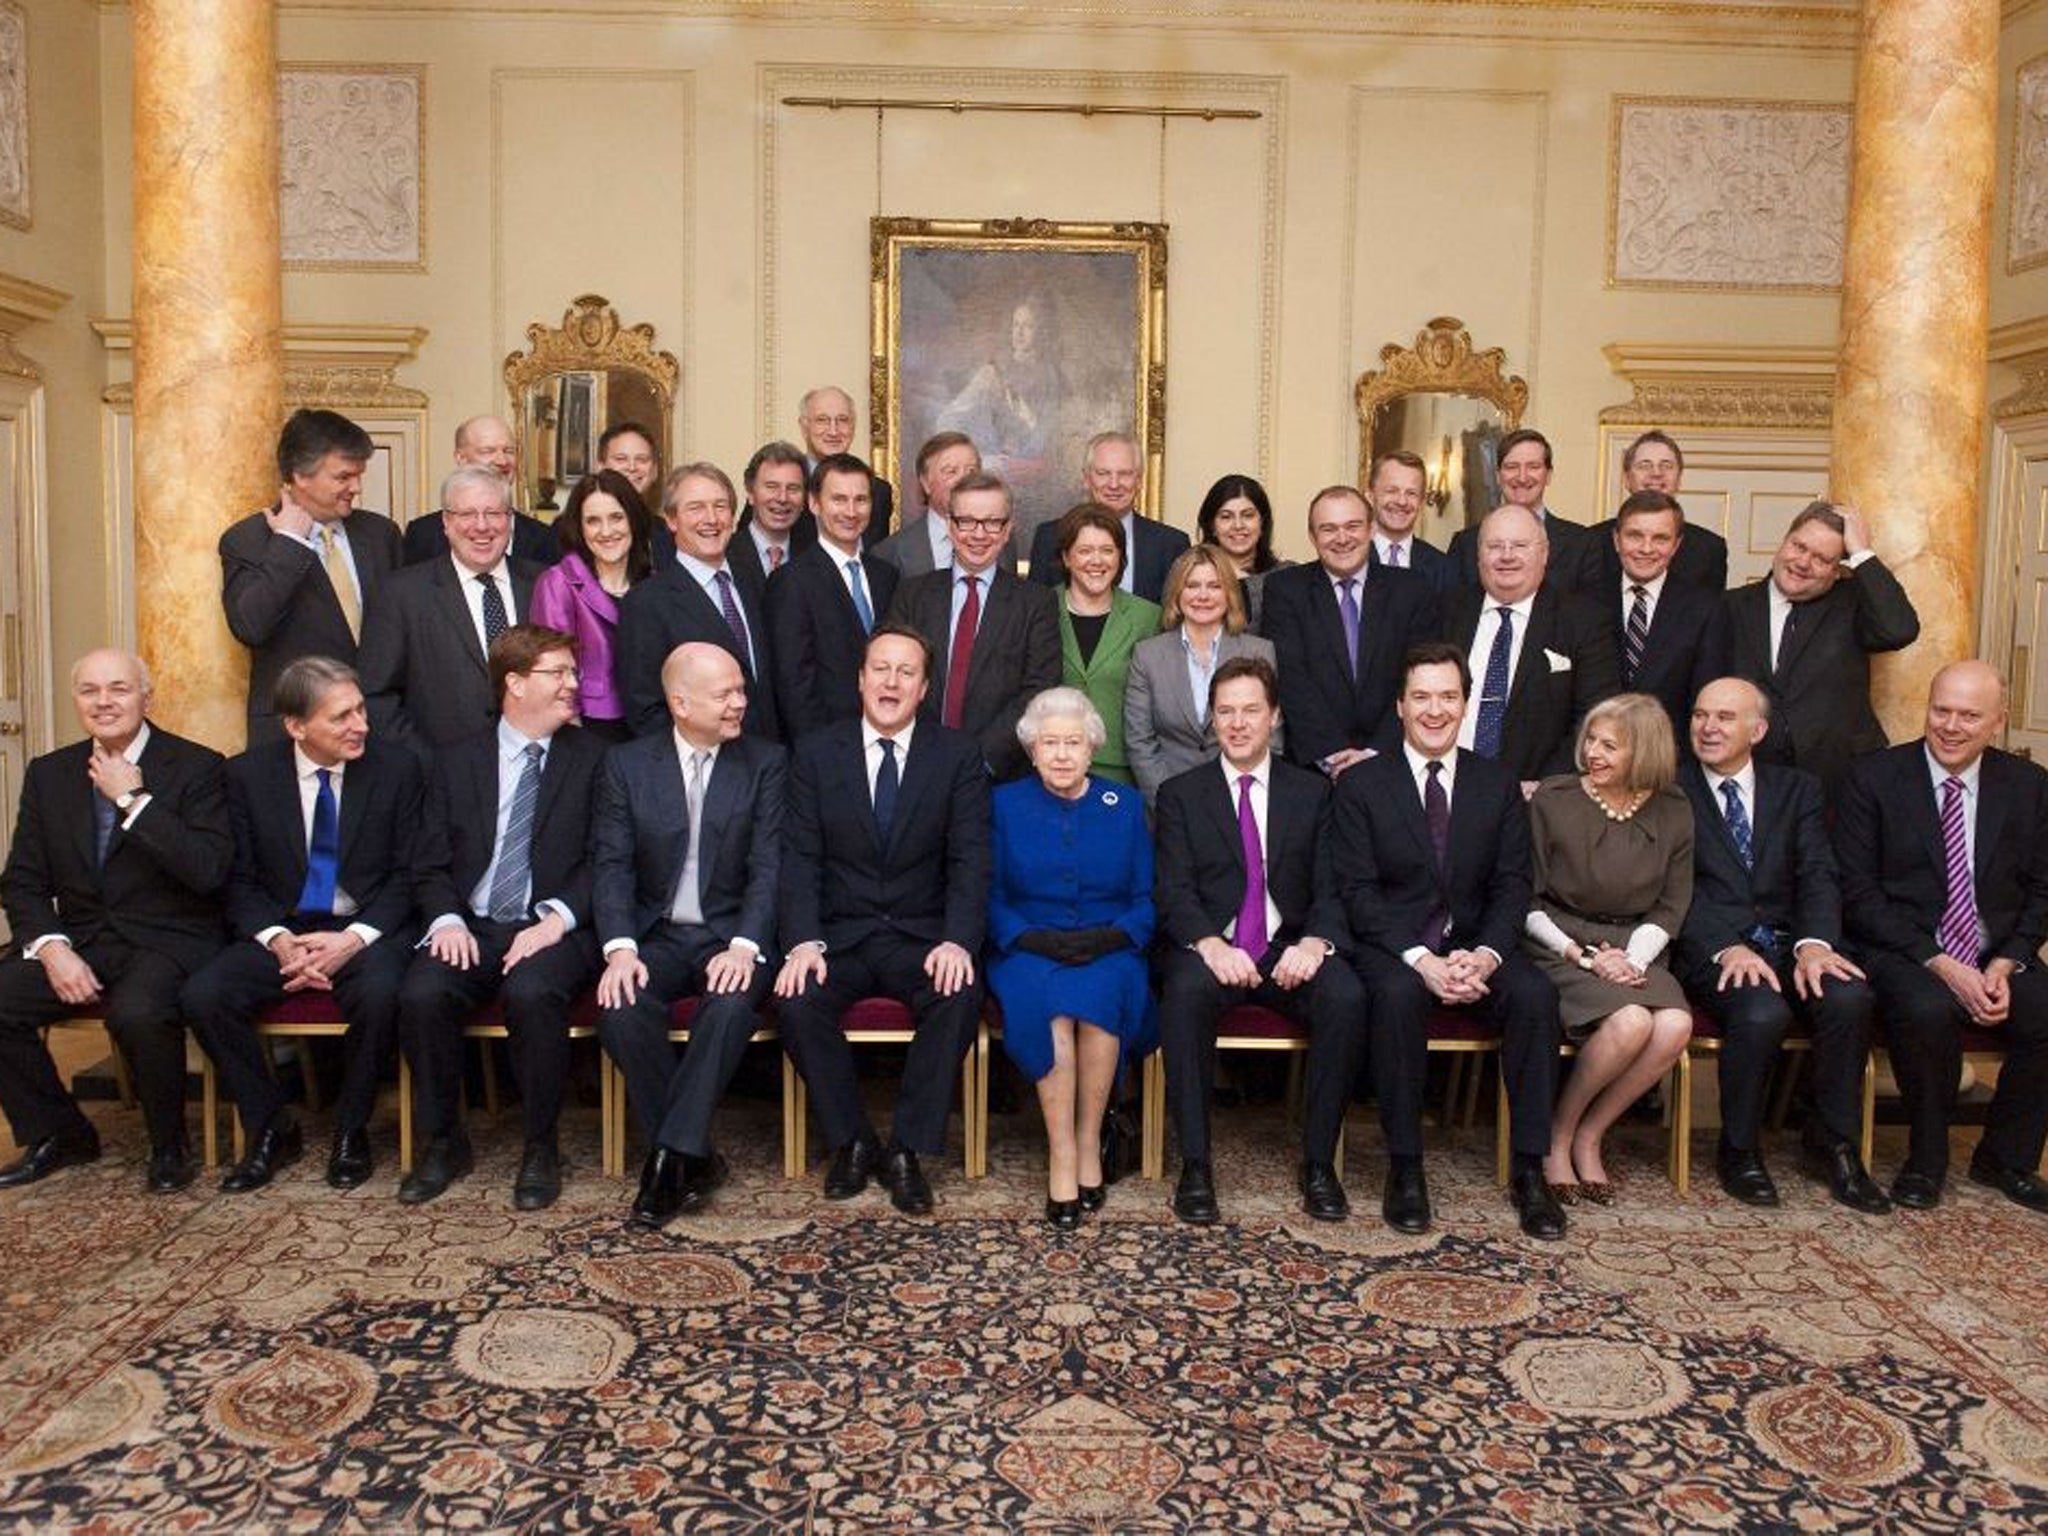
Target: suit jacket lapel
{"x":1322,"y":602}
{"x":1536,"y":635}
{"x":455,"y":603}
{"x":1811,"y":615}
{"x":917,"y":777}
{"x":1222,"y":809}
{"x":522,"y":592}
{"x":721,"y":803}
{"x":355,"y":807}
{"x":79,"y":813}
{"x":1991,"y":809}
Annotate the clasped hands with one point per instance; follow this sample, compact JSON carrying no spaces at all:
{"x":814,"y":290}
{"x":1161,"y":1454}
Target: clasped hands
{"x":1986,"y":995}
{"x":1458,"y":977}
{"x":1609,"y":962}
{"x":309,"y":961}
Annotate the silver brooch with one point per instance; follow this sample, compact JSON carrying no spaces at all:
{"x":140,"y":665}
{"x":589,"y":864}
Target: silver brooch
{"x":1109,"y":797}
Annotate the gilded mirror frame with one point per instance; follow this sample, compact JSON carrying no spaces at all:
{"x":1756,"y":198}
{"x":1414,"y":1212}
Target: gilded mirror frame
{"x":593,"y":343}
{"x":1442,"y":361}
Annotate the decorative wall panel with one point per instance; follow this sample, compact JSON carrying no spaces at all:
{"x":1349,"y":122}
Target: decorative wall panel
{"x":2026,"y":243}
{"x":352,"y":169}
{"x":1741,"y":195}
{"x":14,"y":182}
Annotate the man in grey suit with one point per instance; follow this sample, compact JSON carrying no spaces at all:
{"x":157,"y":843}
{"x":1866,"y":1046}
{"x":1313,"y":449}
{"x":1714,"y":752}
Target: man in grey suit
{"x":686,"y":840}
{"x":296,"y":577}
{"x":423,"y":664}
{"x":925,"y":542}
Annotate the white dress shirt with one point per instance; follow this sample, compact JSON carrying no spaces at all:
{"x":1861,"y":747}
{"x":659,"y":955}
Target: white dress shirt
{"x":872,"y":753}
{"x":1653,"y":593}
{"x":1262,"y":776}
{"x":1482,"y":649}
{"x":706,"y":576}
{"x":1386,"y":547}
{"x":763,"y":542}
{"x":473,"y":594}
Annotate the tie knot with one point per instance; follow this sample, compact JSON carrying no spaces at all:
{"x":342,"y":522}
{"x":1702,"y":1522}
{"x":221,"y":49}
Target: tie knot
{"x":1731,"y":791}
{"x":1952,"y":785}
{"x":1349,"y":584}
{"x":325,"y":777}
{"x":1435,"y":767}
{"x":853,"y":567}
{"x":1638,"y":589}
{"x":972,"y":582}
{"x":887,"y":744}
{"x":534,"y":750}
{"x":1245,"y":782}
{"x":722,"y":577}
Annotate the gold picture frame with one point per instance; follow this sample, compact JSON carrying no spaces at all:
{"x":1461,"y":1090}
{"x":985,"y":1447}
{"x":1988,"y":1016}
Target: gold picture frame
{"x":1031,"y":336}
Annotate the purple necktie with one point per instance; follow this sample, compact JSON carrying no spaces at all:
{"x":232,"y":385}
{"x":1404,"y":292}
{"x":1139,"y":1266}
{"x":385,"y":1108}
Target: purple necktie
{"x":1251,"y":917}
{"x":1958,"y":931}
{"x":1394,"y":556}
{"x":730,"y":605}
{"x":1436,"y":809}
{"x":1348,"y":606}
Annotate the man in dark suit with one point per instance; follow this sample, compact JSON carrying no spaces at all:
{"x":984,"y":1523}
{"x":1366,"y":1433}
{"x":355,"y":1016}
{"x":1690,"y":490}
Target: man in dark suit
{"x":425,"y":637}
{"x":1943,"y":845}
{"x":1433,"y":846}
{"x":502,"y":877}
{"x":1112,"y":475}
{"x":884,"y":892}
{"x":319,"y":900}
{"x":1806,"y":633}
{"x":925,"y":541}
{"x":1339,"y":631}
{"x":1758,"y":948}
{"x":995,"y":638}
{"x":112,"y":890}
{"x":824,"y":604}
{"x":485,"y":442}
{"x":1397,"y":486}
{"x":297,"y":577}
{"x":1248,"y":912}
{"x":775,"y":526}
{"x":1653,"y":463}
{"x":1525,"y":470}
{"x":687,"y":842}
{"x":825,"y":417}
{"x":1670,"y":636}
{"x":696,"y":593}
{"x":1541,"y":658}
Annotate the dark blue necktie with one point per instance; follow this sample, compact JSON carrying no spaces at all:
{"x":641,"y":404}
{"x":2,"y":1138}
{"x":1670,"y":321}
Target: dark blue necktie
{"x":1759,"y":937}
{"x":1493,"y":692}
{"x":103,"y":815}
{"x":323,"y":853}
{"x":886,"y":786}
{"x":496,"y":621}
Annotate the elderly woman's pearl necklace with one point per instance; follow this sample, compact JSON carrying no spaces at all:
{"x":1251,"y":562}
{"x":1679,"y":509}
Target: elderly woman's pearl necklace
{"x":1636,"y":802}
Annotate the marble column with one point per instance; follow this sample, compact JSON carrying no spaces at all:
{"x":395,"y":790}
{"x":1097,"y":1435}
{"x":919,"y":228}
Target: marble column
{"x":209,"y":359}
{"x":1909,"y":397}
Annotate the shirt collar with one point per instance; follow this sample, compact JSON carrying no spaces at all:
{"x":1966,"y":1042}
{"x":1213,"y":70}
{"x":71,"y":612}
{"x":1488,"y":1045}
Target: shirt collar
{"x":869,"y":736}
{"x":512,"y":741}
{"x":1262,"y":772}
{"x":1337,"y":582}
{"x":135,"y":747}
{"x":764,"y":540}
{"x":699,"y":571}
{"x":306,"y":767}
{"x":1520,"y":610}
{"x":686,"y":747}
{"x":1654,"y":586}
{"x":1941,"y":775}
{"x":1744,"y":779}
{"x":1418,"y":765}
{"x":464,"y":573}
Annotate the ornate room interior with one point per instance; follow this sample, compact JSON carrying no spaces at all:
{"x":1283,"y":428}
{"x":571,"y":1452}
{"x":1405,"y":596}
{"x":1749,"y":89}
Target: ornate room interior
{"x":1808,"y":238}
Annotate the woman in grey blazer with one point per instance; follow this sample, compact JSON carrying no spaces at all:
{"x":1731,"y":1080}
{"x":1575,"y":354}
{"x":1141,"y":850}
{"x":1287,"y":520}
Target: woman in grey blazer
{"x":1166,"y":695}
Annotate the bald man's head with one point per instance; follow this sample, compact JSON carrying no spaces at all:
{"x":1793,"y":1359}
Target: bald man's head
{"x":707,"y":693}
{"x":1514,"y":552}
{"x":1965,"y":713}
{"x":486,"y":443}
{"x":110,"y":691}
{"x":1729,"y":718}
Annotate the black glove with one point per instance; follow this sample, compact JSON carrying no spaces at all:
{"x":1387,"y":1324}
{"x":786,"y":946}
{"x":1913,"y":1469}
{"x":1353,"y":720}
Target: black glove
{"x":1073,"y":946}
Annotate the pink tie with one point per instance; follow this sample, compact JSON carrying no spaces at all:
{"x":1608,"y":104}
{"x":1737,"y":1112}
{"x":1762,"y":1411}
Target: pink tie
{"x":1251,"y":917}
{"x":774,"y":558}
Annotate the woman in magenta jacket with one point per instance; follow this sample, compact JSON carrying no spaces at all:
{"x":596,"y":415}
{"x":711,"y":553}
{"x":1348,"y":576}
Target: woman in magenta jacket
{"x":605,"y":532}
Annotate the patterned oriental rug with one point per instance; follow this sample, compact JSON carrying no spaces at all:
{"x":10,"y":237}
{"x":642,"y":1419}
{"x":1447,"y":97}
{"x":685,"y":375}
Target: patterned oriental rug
{"x":301,"y":1360}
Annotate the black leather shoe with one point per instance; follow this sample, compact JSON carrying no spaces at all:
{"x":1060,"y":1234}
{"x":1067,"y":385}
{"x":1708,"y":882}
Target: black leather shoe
{"x":909,"y":1191}
{"x":701,"y":1176}
{"x":1916,"y":1191}
{"x":350,"y":1164}
{"x":1063,"y":1215}
{"x":2020,"y":1188}
{"x":1404,"y":1202}
{"x":1745,"y":1178}
{"x":1194,"y":1198}
{"x":446,"y":1159}
{"x":1542,"y":1217}
{"x":661,"y":1191}
{"x":852,"y":1166}
{"x":1322,"y":1197}
{"x":49,"y":1155}
{"x":1094,"y":1196}
{"x":1848,"y":1181}
{"x":539,"y":1182}
{"x":279,"y":1146}
{"x":171,"y":1168}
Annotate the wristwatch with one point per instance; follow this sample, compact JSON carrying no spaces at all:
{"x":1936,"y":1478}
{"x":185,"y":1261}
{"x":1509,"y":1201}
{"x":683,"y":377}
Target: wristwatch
{"x":125,"y":801}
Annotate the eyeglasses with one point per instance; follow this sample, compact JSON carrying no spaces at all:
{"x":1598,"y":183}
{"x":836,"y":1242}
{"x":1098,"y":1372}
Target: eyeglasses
{"x":479,"y":515}
{"x":569,"y":672}
{"x":979,"y":524}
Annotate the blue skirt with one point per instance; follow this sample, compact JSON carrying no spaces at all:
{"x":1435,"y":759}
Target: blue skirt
{"x":1113,"y":993}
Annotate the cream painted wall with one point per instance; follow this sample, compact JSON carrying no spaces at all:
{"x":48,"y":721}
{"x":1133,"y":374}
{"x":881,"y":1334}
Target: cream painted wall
{"x":1391,"y":180}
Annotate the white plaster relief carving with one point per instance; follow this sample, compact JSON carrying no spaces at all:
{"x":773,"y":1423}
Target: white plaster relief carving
{"x":14,"y":185}
{"x":1748,"y":195}
{"x":2027,"y":241}
{"x":350,"y":168}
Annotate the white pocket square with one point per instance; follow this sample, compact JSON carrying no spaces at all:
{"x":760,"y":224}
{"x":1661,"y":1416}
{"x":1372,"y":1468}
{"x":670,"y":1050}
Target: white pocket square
{"x":1557,"y":663}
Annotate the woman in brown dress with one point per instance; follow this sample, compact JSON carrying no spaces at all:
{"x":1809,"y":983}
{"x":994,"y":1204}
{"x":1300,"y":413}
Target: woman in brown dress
{"x":1613,"y":851}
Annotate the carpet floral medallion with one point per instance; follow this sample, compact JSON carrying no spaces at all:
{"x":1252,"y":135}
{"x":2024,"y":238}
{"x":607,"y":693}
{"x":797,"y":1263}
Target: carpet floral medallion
{"x":299,"y":1360}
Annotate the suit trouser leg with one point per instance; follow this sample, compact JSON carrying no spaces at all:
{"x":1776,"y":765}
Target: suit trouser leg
{"x":1399,"y":1046}
{"x":536,"y":998}
{"x":149,"y":1031}
{"x":811,"y":1034}
{"x":945,"y":1031}
{"x":1754,"y":1019}
{"x":636,"y":1036}
{"x":435,"y":1003}
{"x":1333,"y":1005}
{"x":1840,"y":1021}
{"x":1192,"y":1003}
{"x":719,"y":1031}
{"x":1522,"y":1004}
{"x":220,"y":1002}
{"x":1923,"y":1033}
{"x":2017,"y":1121}
{"x":34,"y":1097}
{"x":367,"y":990}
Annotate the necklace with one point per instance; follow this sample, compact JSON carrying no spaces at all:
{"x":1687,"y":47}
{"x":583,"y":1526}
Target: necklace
{"x":1635,"y":803}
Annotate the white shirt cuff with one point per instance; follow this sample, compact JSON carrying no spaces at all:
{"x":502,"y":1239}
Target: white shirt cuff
{"x":740,"y":941}
{"x":366,"y":933}
{"x":134,"y":811}
{"x":440,"y":924}
{"x":613,"y":946}
{"x":1799,"y":944}
{"x":264,"y":936}
{"x":560,"y":910}
{"x":1859,"y":557}
{"x":1412,"y":955}
{"x":34,"y":946}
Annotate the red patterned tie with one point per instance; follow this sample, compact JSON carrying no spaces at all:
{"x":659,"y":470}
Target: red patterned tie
{"x":963,"y":655}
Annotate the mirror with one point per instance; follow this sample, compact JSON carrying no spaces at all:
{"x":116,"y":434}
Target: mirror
{"x":1449,"y":404}
{"x":576,"y":380}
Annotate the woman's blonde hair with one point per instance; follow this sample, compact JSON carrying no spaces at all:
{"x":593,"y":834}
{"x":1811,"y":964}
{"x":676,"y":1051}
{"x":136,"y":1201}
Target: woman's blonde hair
{"x":1645,"y":729}
{"x":1226,"y":571}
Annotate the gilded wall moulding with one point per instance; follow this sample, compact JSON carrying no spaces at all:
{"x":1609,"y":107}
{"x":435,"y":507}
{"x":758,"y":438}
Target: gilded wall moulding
{"x":352,"y":167}
{"x":2021,"y":347}
{"x":342,"y":367}
{"x":1681,"y":385}
{"x":2026,"y":240}
{"x":1736,"y":196}
{"x":15,"y":209}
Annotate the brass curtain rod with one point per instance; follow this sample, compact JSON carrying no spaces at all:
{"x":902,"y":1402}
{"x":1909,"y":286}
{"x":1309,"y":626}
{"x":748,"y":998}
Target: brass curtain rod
{"x":1072,"y":108}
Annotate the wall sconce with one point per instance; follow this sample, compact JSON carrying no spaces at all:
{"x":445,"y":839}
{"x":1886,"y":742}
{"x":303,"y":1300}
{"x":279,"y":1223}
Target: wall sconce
{"x":1439,"y":491}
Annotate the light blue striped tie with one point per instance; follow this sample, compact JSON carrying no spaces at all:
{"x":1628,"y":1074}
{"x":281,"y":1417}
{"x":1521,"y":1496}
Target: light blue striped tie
{"x":515,"y":858}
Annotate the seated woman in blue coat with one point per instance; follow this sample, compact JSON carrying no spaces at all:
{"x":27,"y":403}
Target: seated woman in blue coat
{"x":1070,"y":917}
